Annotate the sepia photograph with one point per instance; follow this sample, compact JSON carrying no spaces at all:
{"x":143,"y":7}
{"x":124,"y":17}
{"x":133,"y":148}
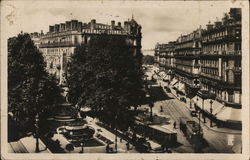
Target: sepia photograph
{"x":125,"y":80}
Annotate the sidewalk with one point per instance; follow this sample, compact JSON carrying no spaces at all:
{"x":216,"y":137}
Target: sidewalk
{"x":187,"y":105}
{"x":121,"y":146}
{"x":27,"y":145}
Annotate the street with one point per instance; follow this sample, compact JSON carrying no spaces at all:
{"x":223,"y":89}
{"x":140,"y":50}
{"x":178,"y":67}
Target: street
{"x":214,"y":141}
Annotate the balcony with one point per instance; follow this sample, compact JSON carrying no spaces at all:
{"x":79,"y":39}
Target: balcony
{"x":224,"y":38}
{"x":235,"y":69}
{"x":60,"y":44}
{"x":211,"y":76}
{"x":221,"y":53}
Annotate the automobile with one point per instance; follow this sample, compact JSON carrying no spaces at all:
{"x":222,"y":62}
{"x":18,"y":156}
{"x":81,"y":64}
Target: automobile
{"x":193,"y":113}
{"x":183,"y":99}
{"x":167,"y":89}
{"x":99,"y":130}
{"x":61,"y":130}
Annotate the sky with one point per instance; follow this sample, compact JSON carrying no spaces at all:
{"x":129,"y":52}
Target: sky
{"x":161,"y":21}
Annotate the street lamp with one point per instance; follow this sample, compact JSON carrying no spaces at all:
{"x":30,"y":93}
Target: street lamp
{"x":116,"y":133}
{"x":36,"y":133}
{"x":211,"y":111}
{"x":82,"y":147}
{"x":151,"y":105}
{"x":199,"y":117}
{"x":203,"y":111}
{"x":190,"y":103}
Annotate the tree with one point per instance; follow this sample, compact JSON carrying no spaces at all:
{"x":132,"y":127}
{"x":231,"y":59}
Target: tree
{"x":147,"y":59}
{"x":106,"y":76}
{"x":31,"y":90}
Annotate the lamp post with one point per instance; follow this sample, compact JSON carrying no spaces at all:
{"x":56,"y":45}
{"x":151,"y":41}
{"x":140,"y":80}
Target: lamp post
{"x":199,"y":117}
{"x":82,"y":147}
{"x":211,"y":111}
{"x":116,"y":133}
{"x":196,"y":144}
{"x":37,"y":128}
{"x":190,"y":103}
{"x":197,"y":99}
{"x":203,"y":111}
{"x":151,"y":105}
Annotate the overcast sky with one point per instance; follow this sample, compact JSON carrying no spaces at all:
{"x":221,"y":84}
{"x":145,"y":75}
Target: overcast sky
{"x":160,"y":21}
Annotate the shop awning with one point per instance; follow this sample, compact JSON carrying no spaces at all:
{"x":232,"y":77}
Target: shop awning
{"x":181,"y":87}
{"x":216,"y":106}
{"x":229,"y":114}
{"x":174,"y":81}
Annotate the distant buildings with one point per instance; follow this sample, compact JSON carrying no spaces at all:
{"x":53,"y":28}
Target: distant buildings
{"x":59,"y":43}
{"x":206,"y":66}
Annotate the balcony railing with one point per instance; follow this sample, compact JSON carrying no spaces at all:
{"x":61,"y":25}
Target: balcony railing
{"x":222,"y":52}
{"x":60,"y":44}
{"x":236,"y":69}
{"x":210,"y":76}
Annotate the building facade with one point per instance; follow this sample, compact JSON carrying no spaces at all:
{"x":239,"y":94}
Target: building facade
{"x":186,"y":65}
{"x":58,"y":44}
{"x":207,"y":68}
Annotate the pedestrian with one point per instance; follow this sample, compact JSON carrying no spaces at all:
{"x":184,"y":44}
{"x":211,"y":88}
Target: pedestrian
{"x":174,"y":125}
{"x":107,"y":148}
{"x":121,"y":140}
{"x":127,"y":144}
{"x":161,"y":109}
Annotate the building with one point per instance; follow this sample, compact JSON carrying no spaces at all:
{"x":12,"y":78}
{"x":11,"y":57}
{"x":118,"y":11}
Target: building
{"x":58,"y":44}
{"x":207,"y":68}
{"x":165,"y":58}
{"x":186,"y":64}
{"x":220,"y":63}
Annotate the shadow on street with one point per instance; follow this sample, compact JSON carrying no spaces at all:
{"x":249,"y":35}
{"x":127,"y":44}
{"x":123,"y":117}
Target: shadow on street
{"x":158,"y":94}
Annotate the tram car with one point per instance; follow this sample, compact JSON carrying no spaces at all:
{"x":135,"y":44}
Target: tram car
{"x":191,"y":129}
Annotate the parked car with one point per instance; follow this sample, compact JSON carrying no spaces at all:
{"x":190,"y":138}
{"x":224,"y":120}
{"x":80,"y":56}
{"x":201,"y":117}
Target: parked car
{"x":183,"y":99}
{"x":167,"y":89}
{"x":193,"y":113}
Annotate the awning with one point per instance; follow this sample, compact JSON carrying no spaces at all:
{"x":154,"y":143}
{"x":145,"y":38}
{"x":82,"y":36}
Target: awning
{"x":174,"y":81}
{"x":229,"y":114}
{"x":220,"y":111}
{"x":216,"y":106}
{"x":181,"y":87}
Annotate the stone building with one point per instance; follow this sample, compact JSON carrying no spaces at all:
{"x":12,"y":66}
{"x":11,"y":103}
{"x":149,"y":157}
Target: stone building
{"x":58,"y":44}
{"x":186,"y":65}
{"x":165,"y":56}
{"x":220,"y":63}
{"x":207,"y":68}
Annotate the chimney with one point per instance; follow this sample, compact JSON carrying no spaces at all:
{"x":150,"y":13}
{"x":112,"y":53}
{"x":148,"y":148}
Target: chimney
{"x":112,"y":23}
{"x":79,"y":26}
{"x":62,"y":27}
{"x":67,"y":25}
{"x":51,"y":28}
{"x":209,"y":26}
{"x":93,"y":22}
{"x":125,"y":25}
{"x":217,"y":24}
{"x":119,"y":24}
{"x":74,"y":24}
{"x":56,"y":27}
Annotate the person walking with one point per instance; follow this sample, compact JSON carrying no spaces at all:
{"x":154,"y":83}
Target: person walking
{"x":174,"y":125}
{"x":107,"y":148}
{"x":127,"y":144}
